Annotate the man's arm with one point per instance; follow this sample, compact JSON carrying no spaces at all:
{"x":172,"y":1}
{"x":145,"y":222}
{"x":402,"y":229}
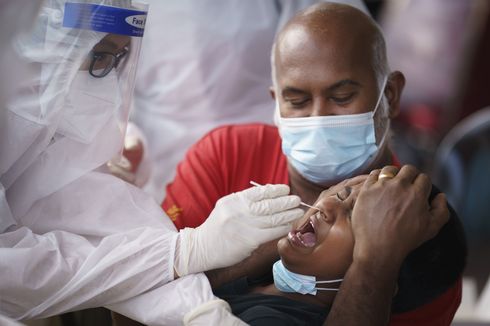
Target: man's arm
{"x":365,"y":294}
{"x":256,"y":265}
{"x":390,"y":219}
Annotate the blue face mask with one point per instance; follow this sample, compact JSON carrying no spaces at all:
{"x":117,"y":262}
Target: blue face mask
{"x":287,"y":281}
{"x":324,"y":149}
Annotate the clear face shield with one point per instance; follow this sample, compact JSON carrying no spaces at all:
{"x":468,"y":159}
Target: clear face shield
{"x":69,"y":115}
{"x":78,"y":49}
{"x":103,"y":85}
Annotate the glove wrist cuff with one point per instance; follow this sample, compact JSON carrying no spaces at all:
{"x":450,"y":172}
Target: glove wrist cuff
{"x":185,"y":251}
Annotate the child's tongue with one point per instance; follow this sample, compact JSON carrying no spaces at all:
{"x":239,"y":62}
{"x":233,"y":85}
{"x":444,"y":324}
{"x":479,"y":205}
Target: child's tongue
{"x":307,"y":238}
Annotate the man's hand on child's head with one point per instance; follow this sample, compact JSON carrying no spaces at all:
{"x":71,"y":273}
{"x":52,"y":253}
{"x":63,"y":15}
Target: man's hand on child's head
{"x":392,"y":215}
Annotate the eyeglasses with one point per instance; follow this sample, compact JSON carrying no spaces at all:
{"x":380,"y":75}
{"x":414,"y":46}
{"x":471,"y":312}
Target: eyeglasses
{"x":103,"y":62}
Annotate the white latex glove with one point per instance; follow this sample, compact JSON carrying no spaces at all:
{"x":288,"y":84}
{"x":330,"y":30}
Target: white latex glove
{"x":215,"y":312}
{"x":238,"y":224}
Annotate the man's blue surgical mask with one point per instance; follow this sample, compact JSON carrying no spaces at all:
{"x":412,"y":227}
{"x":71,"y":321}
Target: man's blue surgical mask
{"x":287,"y":281}
{"x":324,"y":149}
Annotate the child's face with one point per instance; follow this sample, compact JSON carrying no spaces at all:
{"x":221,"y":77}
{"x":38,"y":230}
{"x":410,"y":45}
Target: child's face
{"x":321,"y":243}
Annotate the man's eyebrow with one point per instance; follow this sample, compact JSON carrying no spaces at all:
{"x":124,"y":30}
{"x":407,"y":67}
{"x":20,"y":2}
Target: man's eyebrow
{"x":342,"y":83}
{"x":335,"y":86}
{"x":289,"y":89}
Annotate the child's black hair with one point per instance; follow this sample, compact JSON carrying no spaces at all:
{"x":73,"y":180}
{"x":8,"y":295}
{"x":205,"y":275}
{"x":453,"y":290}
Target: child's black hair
{"x":432,"y":268}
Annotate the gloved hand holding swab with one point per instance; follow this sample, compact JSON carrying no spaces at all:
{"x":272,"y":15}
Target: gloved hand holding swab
{"x":301,"y":203}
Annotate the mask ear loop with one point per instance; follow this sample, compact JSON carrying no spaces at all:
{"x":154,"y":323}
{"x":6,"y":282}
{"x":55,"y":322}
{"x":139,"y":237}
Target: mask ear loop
{"x":330,"y":281}
{"x":383,"y":139}
{"x":388,"y":124}
{"x":380,"y":98}
{"x":385,"y":81}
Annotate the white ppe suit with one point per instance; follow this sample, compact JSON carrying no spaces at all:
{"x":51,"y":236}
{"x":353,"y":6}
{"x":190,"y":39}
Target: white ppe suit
{"x":73,"y":236}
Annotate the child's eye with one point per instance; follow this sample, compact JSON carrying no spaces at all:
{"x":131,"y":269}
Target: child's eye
{"x":344,"y":193}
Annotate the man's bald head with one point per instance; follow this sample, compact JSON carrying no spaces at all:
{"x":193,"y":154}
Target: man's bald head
{"x":347,"y":31}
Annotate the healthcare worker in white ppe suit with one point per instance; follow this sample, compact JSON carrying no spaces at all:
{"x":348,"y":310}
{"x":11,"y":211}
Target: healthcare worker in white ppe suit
{"x":72,"y":235}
